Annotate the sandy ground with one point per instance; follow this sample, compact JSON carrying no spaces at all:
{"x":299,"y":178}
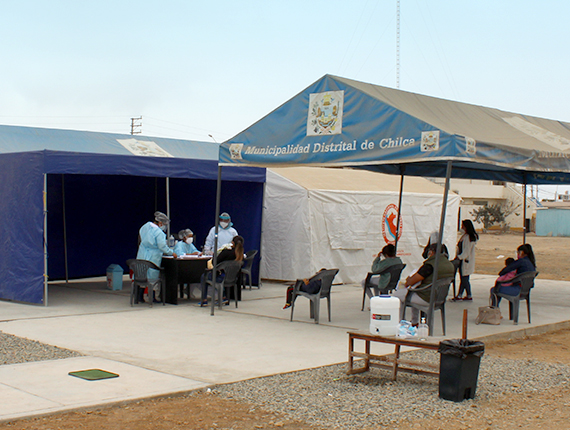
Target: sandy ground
{"x":548,"y":409}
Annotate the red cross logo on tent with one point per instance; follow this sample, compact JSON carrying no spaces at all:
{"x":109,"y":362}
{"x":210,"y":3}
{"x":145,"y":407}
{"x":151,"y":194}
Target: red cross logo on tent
{"x":389,"y":220}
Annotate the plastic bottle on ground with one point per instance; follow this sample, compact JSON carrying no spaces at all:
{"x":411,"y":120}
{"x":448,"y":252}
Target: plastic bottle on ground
{"x":423,"y":329}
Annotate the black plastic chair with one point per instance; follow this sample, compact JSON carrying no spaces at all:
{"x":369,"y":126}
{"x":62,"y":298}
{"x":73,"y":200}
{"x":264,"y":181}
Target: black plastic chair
{"x":437,"y":302}
{"x":526,"y":282}
{"x":246,"y":269}
{"x":395,"y":272}
{"x":326,"y":277}
{"x":231,"y":270}
{"x":140,"y":280}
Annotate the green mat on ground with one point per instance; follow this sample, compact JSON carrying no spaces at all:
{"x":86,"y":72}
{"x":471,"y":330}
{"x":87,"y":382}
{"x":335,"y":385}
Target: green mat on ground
{"x":93,"y":374}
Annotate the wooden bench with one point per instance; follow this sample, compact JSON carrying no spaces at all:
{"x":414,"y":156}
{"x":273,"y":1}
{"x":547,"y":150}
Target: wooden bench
{"x":391,"y":361}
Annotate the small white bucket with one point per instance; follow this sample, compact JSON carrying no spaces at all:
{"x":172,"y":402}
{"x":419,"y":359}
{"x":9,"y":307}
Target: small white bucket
{"x":384,"y":315}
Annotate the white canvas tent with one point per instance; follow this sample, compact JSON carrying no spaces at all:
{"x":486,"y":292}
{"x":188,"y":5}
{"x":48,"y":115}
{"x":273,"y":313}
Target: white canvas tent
{"x":329,"y":217}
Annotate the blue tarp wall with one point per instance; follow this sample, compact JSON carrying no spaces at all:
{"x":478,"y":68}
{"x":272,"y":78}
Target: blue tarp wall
{"x":553,"y":222}
{"x":107,"y":198}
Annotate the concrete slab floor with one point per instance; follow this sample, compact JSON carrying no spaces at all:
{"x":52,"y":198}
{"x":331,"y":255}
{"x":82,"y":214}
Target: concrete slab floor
{"x":186,"y":344}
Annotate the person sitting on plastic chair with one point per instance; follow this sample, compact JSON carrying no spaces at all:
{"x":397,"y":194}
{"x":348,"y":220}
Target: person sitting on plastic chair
{"x":153,"y":246}
{"x":232,"y":251}
{"x":311,"y":286}
{"x":384,"y":259}
{"x":422,"y":278}
{"x":525,"y":262}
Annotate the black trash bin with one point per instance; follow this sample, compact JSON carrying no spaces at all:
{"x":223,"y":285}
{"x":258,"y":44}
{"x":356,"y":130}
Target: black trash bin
{"x":459,"y":368}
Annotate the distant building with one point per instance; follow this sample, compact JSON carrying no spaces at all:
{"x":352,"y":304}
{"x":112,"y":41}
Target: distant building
{"x":564,"y":197}
{"x":477,"y":193}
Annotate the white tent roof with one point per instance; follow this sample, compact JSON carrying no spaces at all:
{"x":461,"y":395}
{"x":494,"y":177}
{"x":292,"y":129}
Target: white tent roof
{"x":347,"y":179}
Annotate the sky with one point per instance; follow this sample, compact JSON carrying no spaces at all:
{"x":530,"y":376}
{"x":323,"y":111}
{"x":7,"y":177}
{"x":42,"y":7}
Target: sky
{"x":206,"y":70}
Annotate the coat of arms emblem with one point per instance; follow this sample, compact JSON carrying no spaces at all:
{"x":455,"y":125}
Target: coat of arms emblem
{"x":325,"y":113}
{"x":235,"y":151}
{"x":430,"y":141}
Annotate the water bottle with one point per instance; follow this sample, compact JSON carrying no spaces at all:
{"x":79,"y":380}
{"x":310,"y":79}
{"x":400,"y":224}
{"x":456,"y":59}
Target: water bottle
{"x":171,"y":242}
{"x":423,"y":330}
{"x":403,"y":328}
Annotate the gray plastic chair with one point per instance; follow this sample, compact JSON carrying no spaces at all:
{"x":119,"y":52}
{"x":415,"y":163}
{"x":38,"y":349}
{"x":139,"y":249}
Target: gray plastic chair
{"x":395,"y":272}
{"x":438,"y":297}
{"x":231,"y":271}
{"x":526,"y":281}
{"x":326,"y":277}
{"x":247,"y":265}
{"x":140,"y":280}
{"x":456,"y":263}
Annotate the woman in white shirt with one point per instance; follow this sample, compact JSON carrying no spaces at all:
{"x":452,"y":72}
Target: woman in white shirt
{"x":466,"y":253}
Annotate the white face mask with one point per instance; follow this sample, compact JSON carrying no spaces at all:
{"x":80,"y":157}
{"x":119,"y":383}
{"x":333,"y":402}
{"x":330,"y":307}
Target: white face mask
{"x":224,"y":224}
{"x":163,"y":228}
{"x":189,"y":240}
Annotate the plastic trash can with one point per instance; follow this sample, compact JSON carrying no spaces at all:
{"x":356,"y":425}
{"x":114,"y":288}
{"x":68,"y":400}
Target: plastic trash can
{"x":459,"y":368}
{"x":115,"y":277}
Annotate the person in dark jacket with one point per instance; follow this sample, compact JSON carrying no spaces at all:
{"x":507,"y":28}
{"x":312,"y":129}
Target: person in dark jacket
{"x":232,"y":251}
{"x":525,"y":262}
{"x":310,"y":285}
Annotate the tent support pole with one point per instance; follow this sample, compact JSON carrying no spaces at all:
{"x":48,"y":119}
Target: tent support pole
{"x":45,"y":243}
{"x":524,"y":209}
{"x":402,"y":170}
{"x":439,"y":240}
{"x":168,"y":206}
{"x":64,"y":229}
{"x":155,"y":194}
{"x":260,"y":253}
{"x":215,"y":257}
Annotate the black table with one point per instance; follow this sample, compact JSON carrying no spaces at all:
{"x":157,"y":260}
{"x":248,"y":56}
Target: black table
{"x":181,"y":271}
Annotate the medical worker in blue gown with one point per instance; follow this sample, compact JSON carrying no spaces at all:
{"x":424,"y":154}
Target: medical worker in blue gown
{"x":225,"y":234}
{"x":153,"y":245}
{"x":185,"y":245}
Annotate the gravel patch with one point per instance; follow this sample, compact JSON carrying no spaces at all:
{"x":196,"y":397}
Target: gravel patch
{"x":15,"y":350}
{"x":330,"y":398}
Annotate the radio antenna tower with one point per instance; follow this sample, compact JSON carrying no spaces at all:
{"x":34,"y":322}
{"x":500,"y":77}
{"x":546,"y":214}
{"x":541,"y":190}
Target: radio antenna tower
{"x":136,"y":125}
{"x":398,"y":44}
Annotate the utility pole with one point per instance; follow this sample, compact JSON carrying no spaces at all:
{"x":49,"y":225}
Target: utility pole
{"x":136,"y":125}
{"x":398,"y":44}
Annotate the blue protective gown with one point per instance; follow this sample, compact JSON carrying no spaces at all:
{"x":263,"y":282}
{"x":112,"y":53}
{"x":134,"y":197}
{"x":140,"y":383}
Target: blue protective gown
{"x":183,"y":248}
{"x":153,"y":246}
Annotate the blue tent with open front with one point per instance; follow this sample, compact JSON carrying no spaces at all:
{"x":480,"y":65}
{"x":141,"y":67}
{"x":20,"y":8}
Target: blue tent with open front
{"x":86,"y":194}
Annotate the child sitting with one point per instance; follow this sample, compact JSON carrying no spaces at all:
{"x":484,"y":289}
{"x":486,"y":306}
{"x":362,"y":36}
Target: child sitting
{"x":509,"y":275}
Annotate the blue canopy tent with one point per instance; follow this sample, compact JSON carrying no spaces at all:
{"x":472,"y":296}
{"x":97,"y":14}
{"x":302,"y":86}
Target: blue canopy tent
{"x":342,"y":122}
{"x":72,"y":201}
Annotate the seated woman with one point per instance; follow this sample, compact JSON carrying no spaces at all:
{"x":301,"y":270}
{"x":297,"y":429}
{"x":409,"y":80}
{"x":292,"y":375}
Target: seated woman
{"x":185,"y":246}
{"x":231,"y":251}
{"x":384,"y":259}
{"x":424,"y":277}
{"x":525,"y":262}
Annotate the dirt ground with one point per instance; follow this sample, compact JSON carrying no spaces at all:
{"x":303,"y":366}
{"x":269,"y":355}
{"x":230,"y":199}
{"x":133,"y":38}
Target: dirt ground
{"x":548,"y":409}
